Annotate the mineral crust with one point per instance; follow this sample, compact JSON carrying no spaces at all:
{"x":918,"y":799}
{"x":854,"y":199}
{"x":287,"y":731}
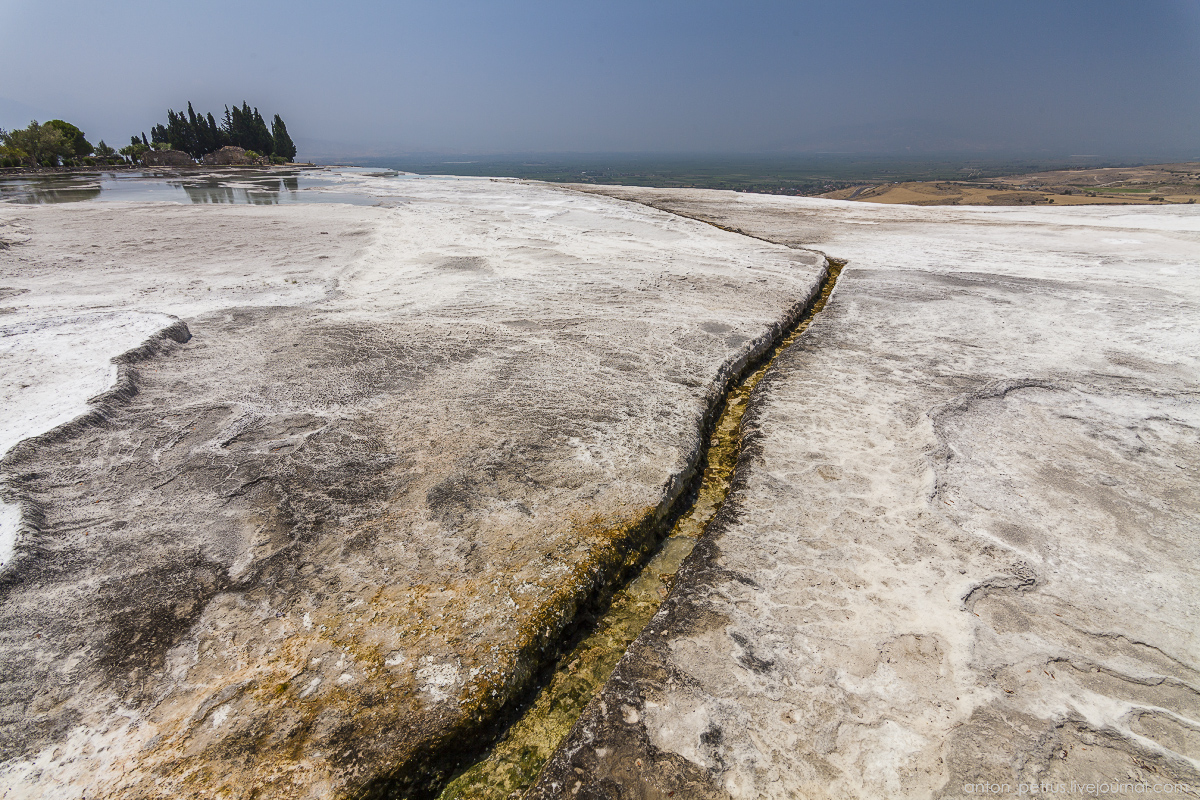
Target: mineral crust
{"x":322,"y":527}
{"x":960,"y":553}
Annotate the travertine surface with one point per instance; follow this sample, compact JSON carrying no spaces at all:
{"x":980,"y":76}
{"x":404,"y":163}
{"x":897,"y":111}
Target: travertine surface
{"x":327,"y":522}
{"x":962,"y":544}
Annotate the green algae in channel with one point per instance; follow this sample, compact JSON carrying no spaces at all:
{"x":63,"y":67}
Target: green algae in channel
{"x":513,"y":763}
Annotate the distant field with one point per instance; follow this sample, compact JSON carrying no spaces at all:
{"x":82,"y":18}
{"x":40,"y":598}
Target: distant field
{"x":945,"y":180}
{"x":1154,"y":184}
{"x":791,"y":175}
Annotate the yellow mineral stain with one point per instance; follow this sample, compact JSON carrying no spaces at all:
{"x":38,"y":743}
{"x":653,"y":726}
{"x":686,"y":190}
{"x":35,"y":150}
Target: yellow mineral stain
{"x":514,"y":761}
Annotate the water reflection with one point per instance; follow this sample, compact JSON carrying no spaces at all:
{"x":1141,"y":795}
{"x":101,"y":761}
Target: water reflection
{"x":38,"y":196}
{"x":255,"y":189}
{"x":64,"y":190}
{"x":244,"y":187}
{"x":230,"y":194}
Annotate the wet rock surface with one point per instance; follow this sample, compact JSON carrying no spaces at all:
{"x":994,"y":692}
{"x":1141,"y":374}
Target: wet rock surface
{"x":332,"y":522}
{"x":962,"y":539}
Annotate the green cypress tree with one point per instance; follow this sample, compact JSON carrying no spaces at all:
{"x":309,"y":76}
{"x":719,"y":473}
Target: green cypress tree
{"x":200,"y":141}
{"x":235,"y":128}
{"x":194,"y":143}
{"x":262,"y":136}
{"x":283,"y":143}
{"x":201,"y":134}
{"x":246,"y":127}
{"x":215,"y":134}
{"x":178,"y":132}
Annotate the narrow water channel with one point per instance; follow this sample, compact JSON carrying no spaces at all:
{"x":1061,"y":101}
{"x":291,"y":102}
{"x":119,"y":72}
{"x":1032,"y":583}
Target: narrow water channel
{"x":513,"y":762}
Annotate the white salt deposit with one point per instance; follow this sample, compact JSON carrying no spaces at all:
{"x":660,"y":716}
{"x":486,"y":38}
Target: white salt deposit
{"x":494,"y":319}
{"x":10,"y":519}
{"x":51,"y":367}
{"x":965,"y":526}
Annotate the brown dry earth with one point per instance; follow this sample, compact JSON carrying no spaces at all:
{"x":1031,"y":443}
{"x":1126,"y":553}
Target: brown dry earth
{"x":1157,"y":184}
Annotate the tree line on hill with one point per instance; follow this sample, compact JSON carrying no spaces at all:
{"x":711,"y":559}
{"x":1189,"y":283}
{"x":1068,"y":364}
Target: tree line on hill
{"x":199,"y":134}
{"x":48,"y":144}
{"x":57,"y":142}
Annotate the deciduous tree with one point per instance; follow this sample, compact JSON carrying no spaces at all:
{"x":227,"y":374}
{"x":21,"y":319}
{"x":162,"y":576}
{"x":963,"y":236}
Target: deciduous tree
{"x":40,"y":143}
{"x":79,"y":145}
{"x":134,"y":150}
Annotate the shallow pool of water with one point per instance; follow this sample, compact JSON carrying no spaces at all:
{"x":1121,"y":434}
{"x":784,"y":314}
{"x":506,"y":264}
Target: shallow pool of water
{"x":198,"y":186}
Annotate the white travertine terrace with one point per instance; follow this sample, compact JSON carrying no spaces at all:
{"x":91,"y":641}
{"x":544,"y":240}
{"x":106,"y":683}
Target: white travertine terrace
{"x":962,"y":545}
{"x":307,"y":548}
{"x":318,"y":536}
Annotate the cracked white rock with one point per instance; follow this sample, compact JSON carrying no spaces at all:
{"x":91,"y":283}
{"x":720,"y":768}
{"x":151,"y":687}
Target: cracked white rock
{"x":374,"y":426}
{"x":962,"y":544}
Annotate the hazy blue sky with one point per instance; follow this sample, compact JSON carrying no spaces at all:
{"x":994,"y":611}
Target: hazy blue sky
{"x":1058,"y":76}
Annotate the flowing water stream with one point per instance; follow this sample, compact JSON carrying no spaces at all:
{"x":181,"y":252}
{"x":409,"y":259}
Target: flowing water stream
{"x":513,"y":762}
